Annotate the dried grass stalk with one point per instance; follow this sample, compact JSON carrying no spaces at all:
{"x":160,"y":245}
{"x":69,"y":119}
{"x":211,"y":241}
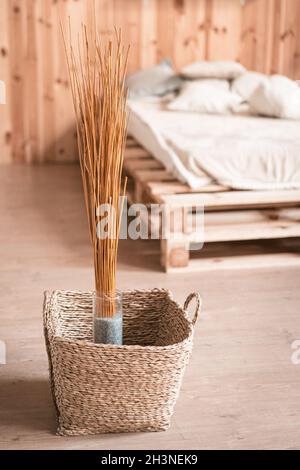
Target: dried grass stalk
{"x":97,"y":79}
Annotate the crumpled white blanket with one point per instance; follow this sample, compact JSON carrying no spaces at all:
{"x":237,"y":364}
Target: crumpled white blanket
{"x":240,"y":151}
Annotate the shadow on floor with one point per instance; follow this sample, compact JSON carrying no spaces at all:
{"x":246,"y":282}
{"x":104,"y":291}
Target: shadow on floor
{"x":27,"y":405}
{"x":138,"y":255}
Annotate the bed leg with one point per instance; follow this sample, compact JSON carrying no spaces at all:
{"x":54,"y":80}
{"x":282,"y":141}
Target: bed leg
{"x":174,"y":254}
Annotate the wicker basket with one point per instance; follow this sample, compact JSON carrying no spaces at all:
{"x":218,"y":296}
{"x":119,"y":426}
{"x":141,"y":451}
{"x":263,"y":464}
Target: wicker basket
{"x":106,"y":388}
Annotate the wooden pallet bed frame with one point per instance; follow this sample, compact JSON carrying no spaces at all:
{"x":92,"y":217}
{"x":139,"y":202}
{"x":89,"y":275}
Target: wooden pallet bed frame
{"x":229,"y":214}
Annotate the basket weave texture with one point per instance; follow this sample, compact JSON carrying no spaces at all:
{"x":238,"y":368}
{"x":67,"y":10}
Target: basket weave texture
{"x":106,"y":388}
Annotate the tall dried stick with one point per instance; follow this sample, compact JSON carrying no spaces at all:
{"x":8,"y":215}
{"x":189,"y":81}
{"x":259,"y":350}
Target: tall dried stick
{"x":97,"y":80}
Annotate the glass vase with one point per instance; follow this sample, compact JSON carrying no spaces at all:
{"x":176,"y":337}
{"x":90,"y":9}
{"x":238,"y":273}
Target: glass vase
{"x":107,"y":318}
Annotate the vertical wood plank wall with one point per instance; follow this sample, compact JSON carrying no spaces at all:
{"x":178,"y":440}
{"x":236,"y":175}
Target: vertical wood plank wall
{"x":37,"y":123}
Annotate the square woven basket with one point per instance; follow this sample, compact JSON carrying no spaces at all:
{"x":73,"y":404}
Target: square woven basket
{"x":106,"y":388}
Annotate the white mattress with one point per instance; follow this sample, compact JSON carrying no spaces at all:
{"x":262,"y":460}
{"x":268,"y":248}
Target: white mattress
{"x":240,"y":151}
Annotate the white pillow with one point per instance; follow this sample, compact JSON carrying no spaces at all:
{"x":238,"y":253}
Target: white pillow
{"x":196,"y":96}
{"x":158,"y":80}
{"x":213,"y":69}
{"x":279,"y":97}
{"x":214,"y":82}
{"x":246,"y":84}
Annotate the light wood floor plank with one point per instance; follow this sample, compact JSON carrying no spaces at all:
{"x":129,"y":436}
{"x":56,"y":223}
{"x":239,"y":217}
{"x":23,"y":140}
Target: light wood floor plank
{"x":240,"y":391}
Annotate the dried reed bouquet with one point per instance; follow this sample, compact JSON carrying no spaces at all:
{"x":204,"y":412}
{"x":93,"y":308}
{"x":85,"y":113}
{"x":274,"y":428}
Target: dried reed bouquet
{"x":97,"y":80}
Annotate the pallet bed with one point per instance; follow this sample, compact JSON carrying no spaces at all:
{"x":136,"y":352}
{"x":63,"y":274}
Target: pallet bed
{"x":230,"y":215}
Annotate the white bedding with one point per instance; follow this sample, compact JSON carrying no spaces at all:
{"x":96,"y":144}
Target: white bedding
{"x":240,"y":151}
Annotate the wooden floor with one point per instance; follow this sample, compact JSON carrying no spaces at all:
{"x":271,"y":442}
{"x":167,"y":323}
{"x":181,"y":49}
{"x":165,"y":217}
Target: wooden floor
{"x":240,"y":390}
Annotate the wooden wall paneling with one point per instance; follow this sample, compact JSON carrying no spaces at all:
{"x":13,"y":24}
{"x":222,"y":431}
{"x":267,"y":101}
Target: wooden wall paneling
{"x":276,"y":49}
{"x":189,"y":38}
{"x":269,"y":35}
{"x":296,"y":61}
{"x":263,"y":30}
{"x":183,"y":32}
{"x":199,"y":15}
{"x":224,"y":31}
{"x":39,"y":86}
{"x":42,"y":79}
{"x":63,"y":103}
{"x":31,"y":85}
{"x":277,"y":53}
{"x":78,"y":13}
{"x":248,"y":38}
{"x":48,"y":116}
{"x":126,"y":17}
{"x":105,"y":17}
{"x":133,"y":17}
{"x":65,"y":148}
{"x":259,"y":21}
{"x":119,"y":16}
{"x":290,"y":16}
{"x":16,"y":31}
{"x":269,"y":38}
{"x":165,"y":30}
{"x":90,"y":18}
{"x":5,"y":110}
{"x":37,"y":123}
{"x":207,"y":27}
{"x":148,"y":33}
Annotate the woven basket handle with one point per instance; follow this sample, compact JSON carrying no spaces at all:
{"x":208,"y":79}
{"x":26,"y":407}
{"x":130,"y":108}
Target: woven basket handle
{"x":198,"y":305}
